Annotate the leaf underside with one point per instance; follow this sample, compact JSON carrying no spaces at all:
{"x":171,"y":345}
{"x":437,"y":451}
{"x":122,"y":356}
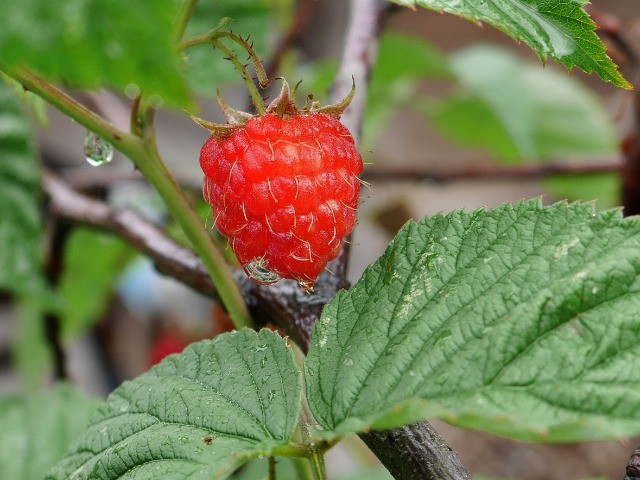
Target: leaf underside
{"x":559,"y":29}
{"x":197,"y":415}
{"x":521,"y":321}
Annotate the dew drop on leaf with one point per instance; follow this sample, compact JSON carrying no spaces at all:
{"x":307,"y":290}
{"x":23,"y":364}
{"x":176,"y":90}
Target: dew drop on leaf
{"x":97,"y":151}
{"x":183,"y":440}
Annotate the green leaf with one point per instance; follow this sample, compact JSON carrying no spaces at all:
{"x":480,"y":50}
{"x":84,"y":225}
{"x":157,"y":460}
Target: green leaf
{"x":92,"y":43}
{"x":37,"y":429}
{"x":92,"y":263}
{"x":559,"y":29}
{"x":518,"y":111}
{"x":197,"y":415}
{"x":20,"y":228}
{"x":520,"y":321}
{"x":395,"y":79}
{"x":206,"y":68}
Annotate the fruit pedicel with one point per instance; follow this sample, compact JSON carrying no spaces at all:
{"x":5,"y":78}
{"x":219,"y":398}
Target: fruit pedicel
{"x":283,"y":186}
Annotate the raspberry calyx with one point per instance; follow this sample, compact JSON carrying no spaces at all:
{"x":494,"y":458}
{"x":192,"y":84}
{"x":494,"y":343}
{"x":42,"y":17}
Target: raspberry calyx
{"x":283,"y":186}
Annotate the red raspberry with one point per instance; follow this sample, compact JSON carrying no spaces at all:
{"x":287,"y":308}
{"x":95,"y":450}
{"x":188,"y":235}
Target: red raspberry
{"x":284,"y":188}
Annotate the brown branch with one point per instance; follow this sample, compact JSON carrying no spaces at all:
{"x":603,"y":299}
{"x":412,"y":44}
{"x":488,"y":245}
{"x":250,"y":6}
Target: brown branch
{"x":170,"y":258}
{"x":500,"y":172}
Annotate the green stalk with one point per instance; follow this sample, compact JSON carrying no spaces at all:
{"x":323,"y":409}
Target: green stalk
{"x":144,"y":154}
{"x":213,"y":38}
{"x":272,"y":468}
{"x":258,"y":101}
{"x":317,"y":466}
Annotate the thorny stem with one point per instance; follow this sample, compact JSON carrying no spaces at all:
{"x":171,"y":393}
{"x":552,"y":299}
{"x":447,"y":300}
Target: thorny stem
{"x":214,"y":38}
{"x":261,"y":74}
{"x":258,"y":101}
{"x":144,"y":154}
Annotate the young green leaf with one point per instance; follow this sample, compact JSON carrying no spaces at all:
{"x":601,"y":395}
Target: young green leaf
{"x":559,"y":29}
{"x":37,"y":429}
{"x":92,"y":43}
{"x":197,"y":415}
{"x":521,"y":321}
{"x":20,"y":228}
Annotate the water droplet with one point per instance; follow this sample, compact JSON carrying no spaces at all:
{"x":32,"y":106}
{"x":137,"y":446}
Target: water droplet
{"x":260,"y":274}
{"x":97,"y":151}
{"x":312,"y":372}
{"x":306,"y":285}
{"x":183,"y":440}
{"x":198,"y":450}
{"x":263,"y":362}
{"x":272,"y":395}
{"x":261,"y":348}
{"x":265,"y":378}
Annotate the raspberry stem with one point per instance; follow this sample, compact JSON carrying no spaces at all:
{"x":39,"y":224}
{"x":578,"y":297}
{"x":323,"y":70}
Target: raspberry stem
{"x":214,"y":38}
{"x":258,"y":101}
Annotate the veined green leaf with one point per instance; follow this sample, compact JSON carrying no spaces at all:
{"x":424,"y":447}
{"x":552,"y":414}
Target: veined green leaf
{"x":197,"y":415}
{"x":92,"y":43}
{"x":37,"y":429}
{"x":20,"y":227}
{"x":559,"y":29}
{"x":521,"y":321}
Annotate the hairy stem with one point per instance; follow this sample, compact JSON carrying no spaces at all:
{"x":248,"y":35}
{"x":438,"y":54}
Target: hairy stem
{"x":214,"y":38}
